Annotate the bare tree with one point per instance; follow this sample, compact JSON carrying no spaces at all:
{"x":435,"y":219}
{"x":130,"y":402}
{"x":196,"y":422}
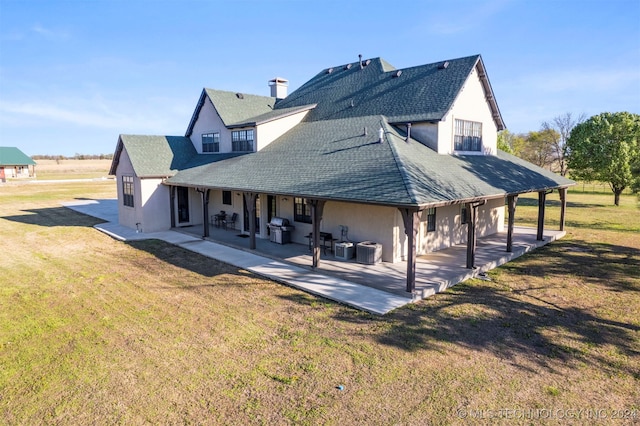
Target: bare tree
{"x":538,"y":147}
{"x":562,"y":124}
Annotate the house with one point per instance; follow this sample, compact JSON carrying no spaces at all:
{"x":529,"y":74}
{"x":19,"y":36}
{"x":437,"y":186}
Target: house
{"x":15,"y":164}
{"x":406,"y":158}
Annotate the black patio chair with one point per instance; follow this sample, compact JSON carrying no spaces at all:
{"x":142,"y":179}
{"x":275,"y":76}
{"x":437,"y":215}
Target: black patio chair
{"x":230,"y":221}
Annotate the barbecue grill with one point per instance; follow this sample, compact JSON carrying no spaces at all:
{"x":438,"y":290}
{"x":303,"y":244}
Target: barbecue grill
{"x":280,"y":230}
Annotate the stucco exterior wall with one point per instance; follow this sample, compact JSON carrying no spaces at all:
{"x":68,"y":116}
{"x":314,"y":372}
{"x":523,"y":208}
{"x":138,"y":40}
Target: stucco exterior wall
{"x":154,"y":200}
{"x":365,"y":222}
{"x":425,"y":133}
{"x":471,"y":105}
{"x":127,"y":216}
{"x":268,"y":132}
{"x":450,"y":230}
{"x":208,"y":121}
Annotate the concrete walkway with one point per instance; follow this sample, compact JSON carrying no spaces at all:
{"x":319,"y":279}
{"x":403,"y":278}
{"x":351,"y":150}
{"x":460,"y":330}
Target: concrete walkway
{"x":356,"y":295}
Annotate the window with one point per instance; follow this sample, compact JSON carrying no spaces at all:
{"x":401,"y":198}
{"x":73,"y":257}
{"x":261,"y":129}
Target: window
{"x":463,"y":214}
{"x":211,"y":142}
{"x":226,"y":198}
{"x":127,"y":190}
{"x":431,"y":219}
{"x":242,"y":140}
{"x":468,"y":136}
{"x":301,"y":210}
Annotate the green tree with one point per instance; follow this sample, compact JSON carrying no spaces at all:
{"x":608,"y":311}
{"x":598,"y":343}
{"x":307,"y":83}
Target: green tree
{"x":504,"y":141}
{"x":605,"y":148}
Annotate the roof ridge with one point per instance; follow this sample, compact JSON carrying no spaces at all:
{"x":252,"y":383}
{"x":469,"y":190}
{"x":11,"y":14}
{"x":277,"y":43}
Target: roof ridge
{"x":402,"y":169}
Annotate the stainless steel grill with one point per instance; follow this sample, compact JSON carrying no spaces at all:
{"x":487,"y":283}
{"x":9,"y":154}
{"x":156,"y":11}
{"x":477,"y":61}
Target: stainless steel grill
{"x":280,"y":230}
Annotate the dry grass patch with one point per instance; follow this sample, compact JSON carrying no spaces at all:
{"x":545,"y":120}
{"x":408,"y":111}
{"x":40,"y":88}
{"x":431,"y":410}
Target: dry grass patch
{"x":72,"y":169}
{"x":93,"y":330}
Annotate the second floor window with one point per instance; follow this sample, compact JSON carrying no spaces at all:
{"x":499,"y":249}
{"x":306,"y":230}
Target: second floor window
{"x":211,"y":142}
{"x":242,"y":140}
{"x":467,"y":136}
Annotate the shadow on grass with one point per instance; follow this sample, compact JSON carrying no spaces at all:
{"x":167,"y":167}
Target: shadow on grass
{"x":517,"y":324}
{"x":510,"y":325}
{"x":54,"y":216}
{"x":617,"y":268}
{"x":531,"y":202}
{"x":185,"y":259}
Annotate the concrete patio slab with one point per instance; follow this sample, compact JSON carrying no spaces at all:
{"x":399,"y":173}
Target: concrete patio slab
{"x":377,"y":288}
{"x":356,"y":295}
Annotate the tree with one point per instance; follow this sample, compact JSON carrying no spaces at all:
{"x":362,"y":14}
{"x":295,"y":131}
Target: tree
{"x":605,"y":148}
{"x":562,"y":125}
{"x":505,"y":141}
{"x":538,"y":147}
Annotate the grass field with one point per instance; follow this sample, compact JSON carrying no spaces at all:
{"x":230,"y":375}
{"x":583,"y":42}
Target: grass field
{"x":96,"y":331}
{"x":72,"y":169}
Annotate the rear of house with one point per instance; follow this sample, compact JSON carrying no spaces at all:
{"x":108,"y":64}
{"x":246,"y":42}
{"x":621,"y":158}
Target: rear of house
{"x":363,"y":151}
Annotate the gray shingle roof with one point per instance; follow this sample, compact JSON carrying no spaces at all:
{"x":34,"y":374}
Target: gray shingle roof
{"x":335,"y":152}
{"x":334,"y":159}
{"x":233,"y":108}
{"x":160,"y":156}
{"x":421,"y":93}
{"x":12,"y":156}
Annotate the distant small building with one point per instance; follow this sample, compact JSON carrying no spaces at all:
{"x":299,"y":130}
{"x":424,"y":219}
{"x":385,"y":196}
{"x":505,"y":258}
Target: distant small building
{"x":15,"y":164}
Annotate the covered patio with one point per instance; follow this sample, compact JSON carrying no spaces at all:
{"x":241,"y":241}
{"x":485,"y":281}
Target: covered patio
{"x":435,"y":272}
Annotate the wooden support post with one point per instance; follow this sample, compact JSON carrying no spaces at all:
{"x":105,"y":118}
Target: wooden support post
{"x":563,"y":206}
{"x":512,"y":200}
{"x":172,"y":206}
{"x":205,"y":211}
{"x":542,"y":196}
{"x":250,"y":202}
{"x":472,"y":208}
{"x":317,"y":208}
{"x":411,"y":219}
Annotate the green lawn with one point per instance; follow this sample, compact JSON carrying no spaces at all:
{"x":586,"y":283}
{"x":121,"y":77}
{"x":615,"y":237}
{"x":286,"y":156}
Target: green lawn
{"x":96,"y":331}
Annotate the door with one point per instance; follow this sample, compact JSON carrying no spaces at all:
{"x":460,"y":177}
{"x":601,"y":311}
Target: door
{"x":2,"y":177}
{"x":183,"y":204}
{"x":271,"y":210}
{"x":246,"y":214}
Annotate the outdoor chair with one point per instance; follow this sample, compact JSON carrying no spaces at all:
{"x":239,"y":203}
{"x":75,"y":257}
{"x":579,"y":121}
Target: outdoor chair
{"x":230,"y":221}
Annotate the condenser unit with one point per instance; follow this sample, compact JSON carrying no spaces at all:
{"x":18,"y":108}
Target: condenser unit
{"x":343,"y":250}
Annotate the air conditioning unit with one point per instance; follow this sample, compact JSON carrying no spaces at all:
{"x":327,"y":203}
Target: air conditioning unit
{"x":343,"y":250}
{"x":369,"y":252}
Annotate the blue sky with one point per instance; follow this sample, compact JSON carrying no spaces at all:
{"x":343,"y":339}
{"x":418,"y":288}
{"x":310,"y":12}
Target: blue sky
{"x":76,"y":74}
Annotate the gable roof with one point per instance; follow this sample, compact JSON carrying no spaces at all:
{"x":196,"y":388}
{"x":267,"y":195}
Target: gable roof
{"x":233,"y":108}
{"x":12,"y":156}
{"x":336,"y":160}
{"x":160,"y":156}
{"x":421,"y":93}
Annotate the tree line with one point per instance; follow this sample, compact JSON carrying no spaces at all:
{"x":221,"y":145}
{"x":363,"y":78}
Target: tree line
{"x":603,"y":148}
{"x":75,"y":157}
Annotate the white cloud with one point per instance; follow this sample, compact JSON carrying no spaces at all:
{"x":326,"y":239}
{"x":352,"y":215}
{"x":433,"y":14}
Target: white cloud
{"x":96,"y":113}
{"x":50,"y":33}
